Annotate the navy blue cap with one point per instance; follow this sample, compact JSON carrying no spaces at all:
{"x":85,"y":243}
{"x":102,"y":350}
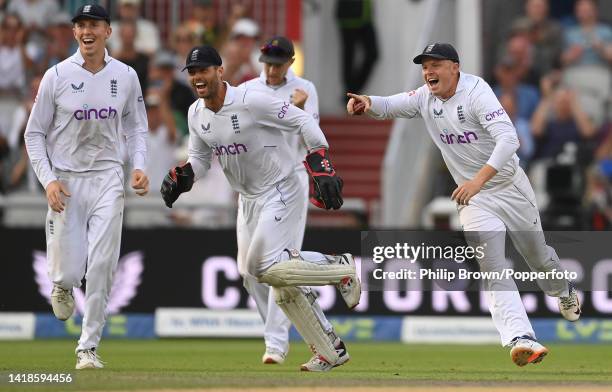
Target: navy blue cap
{"x":91,"y":11}
{"x":438,"y":50}
{"x":202,"y":56}
{"x":277,"y":50}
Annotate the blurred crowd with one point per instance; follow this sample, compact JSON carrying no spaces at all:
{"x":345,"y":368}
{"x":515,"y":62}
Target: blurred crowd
{"x":552,"y":76}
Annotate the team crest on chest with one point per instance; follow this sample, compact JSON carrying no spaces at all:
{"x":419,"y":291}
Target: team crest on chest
{"x":113,"y":88}
{"x":235,"y":124}
{"x":460,"y":114}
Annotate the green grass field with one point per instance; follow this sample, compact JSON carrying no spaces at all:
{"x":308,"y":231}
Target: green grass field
{"x":198,"y":363}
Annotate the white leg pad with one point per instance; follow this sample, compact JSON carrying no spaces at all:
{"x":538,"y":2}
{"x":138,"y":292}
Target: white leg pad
{"x":300,"y":310}
{"x":301,"y":273}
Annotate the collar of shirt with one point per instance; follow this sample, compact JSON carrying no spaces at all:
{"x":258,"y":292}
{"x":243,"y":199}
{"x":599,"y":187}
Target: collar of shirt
{"x":230,"y":95}
{"x":77,"y":57}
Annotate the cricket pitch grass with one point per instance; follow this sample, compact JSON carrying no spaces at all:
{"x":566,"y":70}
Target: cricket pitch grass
{"x":234,"y":365}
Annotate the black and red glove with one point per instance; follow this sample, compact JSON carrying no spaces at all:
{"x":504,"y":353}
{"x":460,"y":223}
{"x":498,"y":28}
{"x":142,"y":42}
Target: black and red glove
{"x":326,"y":186}
{"x":178,"y":180}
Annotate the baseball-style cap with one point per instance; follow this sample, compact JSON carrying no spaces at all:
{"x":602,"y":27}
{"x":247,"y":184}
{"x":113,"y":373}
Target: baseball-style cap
{"x":438,"y":50}
{"x":91,"y":11}
{"x":277,"y":50}
{"x":245,"y":27}
{"x":202,"y":56}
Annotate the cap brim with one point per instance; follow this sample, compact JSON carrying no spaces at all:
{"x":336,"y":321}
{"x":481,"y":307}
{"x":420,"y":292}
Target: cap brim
{"x":419,"y":59}
{"x":79,"y":17}
{"x":266,"y":58}
{"x":197,"y":64}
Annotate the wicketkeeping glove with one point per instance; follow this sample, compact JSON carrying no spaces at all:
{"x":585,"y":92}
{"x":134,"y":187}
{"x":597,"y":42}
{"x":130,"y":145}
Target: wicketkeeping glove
{"x":177,"y":181}
{"x":326,"y":187}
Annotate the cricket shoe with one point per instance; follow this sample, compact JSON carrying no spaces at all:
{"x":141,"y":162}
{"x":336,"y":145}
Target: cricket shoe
{"x":88,"y":359}
{"x":349,"y":288}
{"x":570,"y":306}
{"x":527,"y":350}
{"x":62,"y":303}
{"x":273,"y":357}
{"x":319,"y":364}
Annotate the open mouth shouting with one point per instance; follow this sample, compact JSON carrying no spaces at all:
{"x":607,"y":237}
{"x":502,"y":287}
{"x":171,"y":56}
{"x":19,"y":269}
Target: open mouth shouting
{"x":200,"y":87}
{"x":433,"y":81}
{"x":88,"y":42}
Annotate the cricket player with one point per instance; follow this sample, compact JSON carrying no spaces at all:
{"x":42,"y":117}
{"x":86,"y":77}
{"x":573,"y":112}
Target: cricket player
{"x":245,"y":130}
{"x":278,"y":79}
{"x":87,"y":108}
{"x":478,"y":143}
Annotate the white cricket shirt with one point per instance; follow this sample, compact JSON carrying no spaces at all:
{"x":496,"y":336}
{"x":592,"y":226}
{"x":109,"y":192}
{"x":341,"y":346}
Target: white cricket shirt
{"x":82,"y":121}
{"x":471,"y":128}
{"x":247,"y":135}
{"x":284,"y":92}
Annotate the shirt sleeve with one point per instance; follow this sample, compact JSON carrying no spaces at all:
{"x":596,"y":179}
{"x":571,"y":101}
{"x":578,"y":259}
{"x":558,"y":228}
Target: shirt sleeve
{"x":399,"y":105}
{"x":493,"y":119}
{"x":269,"y":111}
{"x":312,"y":103}
{"x":135,"y":124}
{"x":39,"y":123}
{"x":200,"y":153}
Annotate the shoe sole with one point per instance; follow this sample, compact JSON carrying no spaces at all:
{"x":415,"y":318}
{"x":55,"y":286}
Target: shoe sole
{"x":524,"y":356}
{"x":270,"y":361}
{"x":304,"y":368}
{"x":88,"y":366}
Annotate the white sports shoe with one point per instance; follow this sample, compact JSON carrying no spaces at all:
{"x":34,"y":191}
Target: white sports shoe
{"x":319,"y":364}
{"x":273,"y":357}
{"x":62,"y":303}
{"x":88,"y":359}
{"x":570,"y":306}
{"x":526,"y":350}
{"x":349,"y":288}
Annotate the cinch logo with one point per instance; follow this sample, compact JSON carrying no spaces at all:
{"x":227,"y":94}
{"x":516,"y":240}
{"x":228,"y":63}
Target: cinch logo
{"x":231,"y":149}
{"x":494,"y":114}
{"x":283,"y":110}
{"x":95,"y":114}
{"x":451,"y":138}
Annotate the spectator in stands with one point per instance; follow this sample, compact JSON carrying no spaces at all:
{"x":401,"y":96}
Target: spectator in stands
{"x":240,"y":53}
{"x":130,"y":55}
{"x":202,"y":23}
{"x":161,"y":78}
{"x":559,"y":119}
{"x":598,"y":196}
{"x":19,"y":173}
{"x":35,"y":14}
{"x":521,"y":51}
{"x":60,"y":40}
{"x":590,"y":42}
{"x":544,"y":33}
{"x":358,"y":33}
{"x":182,"y":41}
{"x":13,"y":65}
{"x":161,"y":144}
{"x":147,"y":34}
{"x":508,"y":82}
{"x":510,"y":103}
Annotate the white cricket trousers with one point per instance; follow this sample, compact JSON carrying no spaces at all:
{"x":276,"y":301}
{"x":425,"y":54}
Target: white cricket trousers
{"x":510,"y":207}
{"x":84,"y":240}
{"x":262,"y":238}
